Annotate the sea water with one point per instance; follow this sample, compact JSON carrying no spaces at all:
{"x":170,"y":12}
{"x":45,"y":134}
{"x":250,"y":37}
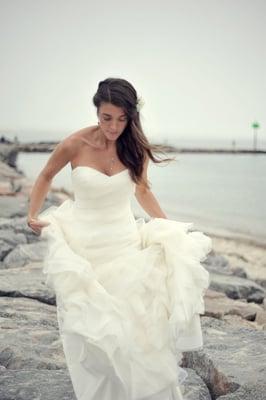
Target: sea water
{"x":222,"y":193}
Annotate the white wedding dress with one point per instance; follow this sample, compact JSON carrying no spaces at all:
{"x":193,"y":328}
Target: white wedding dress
{"x":129,"y":292}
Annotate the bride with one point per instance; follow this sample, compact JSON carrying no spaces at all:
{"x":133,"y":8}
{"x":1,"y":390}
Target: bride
{"x":129,"y":293}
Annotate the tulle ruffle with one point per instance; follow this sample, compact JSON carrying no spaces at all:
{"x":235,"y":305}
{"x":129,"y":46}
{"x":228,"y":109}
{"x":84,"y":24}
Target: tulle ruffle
{"x":187,"y":279}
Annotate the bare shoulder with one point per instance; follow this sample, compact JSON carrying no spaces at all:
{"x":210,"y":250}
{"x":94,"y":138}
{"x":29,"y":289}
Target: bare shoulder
{"x":64,"y":152}
{"x":81,"y":137}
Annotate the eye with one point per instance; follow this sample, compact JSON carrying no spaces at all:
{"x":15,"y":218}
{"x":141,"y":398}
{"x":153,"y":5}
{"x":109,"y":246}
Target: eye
{"x":120,"y":120}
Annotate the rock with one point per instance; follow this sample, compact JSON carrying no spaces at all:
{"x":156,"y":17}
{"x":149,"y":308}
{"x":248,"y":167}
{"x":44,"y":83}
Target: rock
{"x":247,"y":392}
{"x":217,"y":263}
{"x":261,"y":317}
{"x":236,"y":320}
{"x":36,"y":384}
{"x":256,"y":297}
{"x":29,"y":335}
{"x":218,"y":305}
{"x":239,"y":271}
{"x":11,"y":237}
{"x":43,"y":147}
{"x":28,"y":281}
{"x":7,"y":173}
{"x":232,"y":358}
{"x":248,"y":254}
{"x":22,"y":312}
{"x":5,"y":248}
{"x":13,"y":206}
{"x":8,"y":240}
{"x":6,"y":188}
{"x":236,"y":287}
{"x":8,"y":154}
{"x":25,"y":253}
{"x":194,"y":388}
{"x":261,"y":282}
{"x":18,"y":226}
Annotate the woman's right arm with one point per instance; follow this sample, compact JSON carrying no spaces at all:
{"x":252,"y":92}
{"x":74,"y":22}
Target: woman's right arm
{"x":61,"y":155}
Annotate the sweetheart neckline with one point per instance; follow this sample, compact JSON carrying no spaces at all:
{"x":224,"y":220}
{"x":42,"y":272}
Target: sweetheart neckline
{"x":102,"y":173}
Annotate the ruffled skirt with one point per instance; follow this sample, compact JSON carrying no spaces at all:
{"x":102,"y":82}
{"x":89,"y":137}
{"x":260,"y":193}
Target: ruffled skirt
{"x":126,"y":319}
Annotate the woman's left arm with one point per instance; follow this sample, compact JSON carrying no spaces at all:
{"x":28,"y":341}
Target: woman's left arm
{"x":146,"y":198}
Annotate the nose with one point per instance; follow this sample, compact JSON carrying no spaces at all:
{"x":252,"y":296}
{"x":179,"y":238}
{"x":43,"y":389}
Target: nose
{"x":113,"y":126}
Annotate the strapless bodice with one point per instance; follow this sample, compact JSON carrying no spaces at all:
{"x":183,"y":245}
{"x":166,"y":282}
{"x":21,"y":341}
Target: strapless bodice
{"x":100,"y":215}
{"x":96,"y":191}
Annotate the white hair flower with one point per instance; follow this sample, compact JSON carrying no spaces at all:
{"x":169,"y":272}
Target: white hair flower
{"x":140,"y":103}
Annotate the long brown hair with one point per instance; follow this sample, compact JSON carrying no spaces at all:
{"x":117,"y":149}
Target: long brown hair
{"x":132,"y":145}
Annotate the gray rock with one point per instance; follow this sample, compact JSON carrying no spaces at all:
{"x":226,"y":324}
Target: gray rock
{"x":239,"y":271}
{"x":217,"y":263}
{"x":261,"y":317}
{"x":11,"y":237}
{"x":247,"y":392}
{"x":35,"y":385}
{"x":261,"y":282}
{"x":8,"y":153}
{"x":194,"y":388}
{"x":236,"y":287}
{"x":12,"y":206}
{"x":232,"y":357}
{"x":21,"y":312}
{"x":8,"y":240}
{"x":17,"y":206}
{"x":217,"y":305}
{"x":25,"y":253}
{"x":26,"y":282}
{"x":34,"y":342}
{"x":19,"y":226}
{"x":255,"y":297}
{"x":31,"y":349}
{"x":5,"y":248}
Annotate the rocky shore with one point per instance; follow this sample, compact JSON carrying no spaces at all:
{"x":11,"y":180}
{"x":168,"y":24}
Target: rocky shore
{"x":231,"y":366}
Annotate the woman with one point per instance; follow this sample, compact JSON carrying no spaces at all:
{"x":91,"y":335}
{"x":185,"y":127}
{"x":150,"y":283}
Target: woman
{"x":129,"y":293}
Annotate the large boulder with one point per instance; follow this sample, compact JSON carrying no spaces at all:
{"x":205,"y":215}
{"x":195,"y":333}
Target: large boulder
{"x":31,"y":384}
{"x":28,"y":281}
{"x":232,"y":358}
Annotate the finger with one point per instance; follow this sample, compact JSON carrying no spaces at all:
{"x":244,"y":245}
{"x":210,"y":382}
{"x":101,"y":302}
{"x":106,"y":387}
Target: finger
{"x":35,"y":231}
{"x":39,"y":223}
{"x":33,"y":227}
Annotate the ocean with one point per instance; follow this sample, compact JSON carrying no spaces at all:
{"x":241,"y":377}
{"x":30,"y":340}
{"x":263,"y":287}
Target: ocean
{"x":222,"y":194}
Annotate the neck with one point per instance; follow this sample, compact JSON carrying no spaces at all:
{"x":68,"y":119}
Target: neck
{"x":103,"y":141}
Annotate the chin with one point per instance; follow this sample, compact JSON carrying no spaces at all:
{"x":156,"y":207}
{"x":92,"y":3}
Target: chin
{"x":112,"y":137}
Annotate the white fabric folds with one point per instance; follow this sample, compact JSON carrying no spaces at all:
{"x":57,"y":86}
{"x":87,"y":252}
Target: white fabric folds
{"x":130,"y":292}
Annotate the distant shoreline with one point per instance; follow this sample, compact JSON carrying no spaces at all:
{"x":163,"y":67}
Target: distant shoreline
{"x":48,"y":146}
{"x":44,"y":147}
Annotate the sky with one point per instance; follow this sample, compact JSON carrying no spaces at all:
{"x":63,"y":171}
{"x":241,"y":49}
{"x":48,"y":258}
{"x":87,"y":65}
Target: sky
{"x":199,"y":66}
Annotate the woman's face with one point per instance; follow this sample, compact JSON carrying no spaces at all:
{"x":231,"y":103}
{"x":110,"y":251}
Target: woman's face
{"x":112,"y":120}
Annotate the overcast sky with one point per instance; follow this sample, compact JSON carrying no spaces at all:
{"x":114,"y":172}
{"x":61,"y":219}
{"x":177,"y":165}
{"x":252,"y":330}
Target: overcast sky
{"x":199,"y":65}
